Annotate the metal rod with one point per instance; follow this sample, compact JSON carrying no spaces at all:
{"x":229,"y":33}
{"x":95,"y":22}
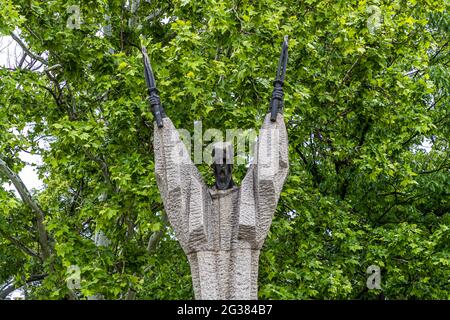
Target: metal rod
{"x":276,"y":103}
{"x":155,"y":101}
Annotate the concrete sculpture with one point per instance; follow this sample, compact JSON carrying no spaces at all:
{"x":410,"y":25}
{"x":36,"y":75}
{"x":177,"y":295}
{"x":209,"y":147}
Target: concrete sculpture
{"x":222,"y":229}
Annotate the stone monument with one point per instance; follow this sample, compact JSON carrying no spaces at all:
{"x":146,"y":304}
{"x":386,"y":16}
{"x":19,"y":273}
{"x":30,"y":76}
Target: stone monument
{"x":222,"y":229}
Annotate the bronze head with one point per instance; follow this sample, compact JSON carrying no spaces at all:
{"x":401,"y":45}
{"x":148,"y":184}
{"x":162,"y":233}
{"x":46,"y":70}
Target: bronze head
{"x":223,"y":165}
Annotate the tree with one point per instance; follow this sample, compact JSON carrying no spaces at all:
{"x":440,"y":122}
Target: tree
{"x":366,"y":95}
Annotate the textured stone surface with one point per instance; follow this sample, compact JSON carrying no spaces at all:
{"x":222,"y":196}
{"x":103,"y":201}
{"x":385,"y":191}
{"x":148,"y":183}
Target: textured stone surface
{"x":222,"y":231}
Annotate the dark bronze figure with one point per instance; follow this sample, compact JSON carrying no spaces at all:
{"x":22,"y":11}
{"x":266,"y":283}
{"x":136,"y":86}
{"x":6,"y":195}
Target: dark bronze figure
{"x":155,"y":102}
{"x":276,"y":104}
{"x":223,"y":165}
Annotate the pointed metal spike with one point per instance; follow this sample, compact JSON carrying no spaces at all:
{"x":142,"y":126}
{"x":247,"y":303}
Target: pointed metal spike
{"x":155,"y":104}
{"x":276,"y":102}
{"x":148,"y":72}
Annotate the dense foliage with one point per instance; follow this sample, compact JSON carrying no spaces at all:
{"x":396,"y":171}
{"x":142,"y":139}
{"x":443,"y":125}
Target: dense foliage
{"x":367,"y":110}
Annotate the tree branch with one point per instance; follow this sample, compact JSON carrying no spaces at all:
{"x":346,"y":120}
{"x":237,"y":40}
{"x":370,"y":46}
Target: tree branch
{"x":27,"y":50}
{"x":439,"y":50}
{"x":156,"y":236}
{"x":434,"y":170}
{"x":20,"y":245}
{"x":5,"y":292}
{"x":104,"y":167}
{"x":28,"y":199}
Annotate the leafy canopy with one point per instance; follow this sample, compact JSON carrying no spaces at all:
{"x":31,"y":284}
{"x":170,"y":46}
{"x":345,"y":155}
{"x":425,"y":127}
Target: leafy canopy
{"x":367,"y":113}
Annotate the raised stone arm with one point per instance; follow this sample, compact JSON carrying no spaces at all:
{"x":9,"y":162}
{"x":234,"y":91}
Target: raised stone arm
{"x":272,"y":170}
{"x":178,"y":179}
{"x":262,"y":185}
